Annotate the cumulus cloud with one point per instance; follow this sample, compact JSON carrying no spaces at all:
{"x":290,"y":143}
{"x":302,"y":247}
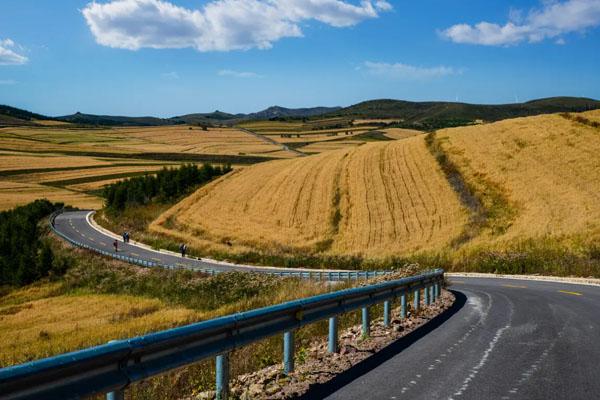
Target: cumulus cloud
{"x":9,"y":55}
{"x":220,"y":25}
{"x":408,"y":72}
{"x":551,"y":21}
{"x":238,"y":74}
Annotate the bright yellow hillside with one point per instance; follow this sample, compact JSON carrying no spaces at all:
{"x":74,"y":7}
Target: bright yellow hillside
{"x":547,"y":167}
{"x":378,"y":199}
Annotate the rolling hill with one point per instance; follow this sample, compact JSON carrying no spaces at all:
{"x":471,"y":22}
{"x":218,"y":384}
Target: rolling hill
{"x":435,"y":115}
{"x":535,"y":181}
{"x":414,"y":115}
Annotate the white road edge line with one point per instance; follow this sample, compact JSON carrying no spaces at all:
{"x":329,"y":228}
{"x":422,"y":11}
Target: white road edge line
{"x":539,"y":278}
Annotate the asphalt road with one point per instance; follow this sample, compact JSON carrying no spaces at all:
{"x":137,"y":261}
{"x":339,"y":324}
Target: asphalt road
{"x":75,"y":226}
{"x":504,"y":339}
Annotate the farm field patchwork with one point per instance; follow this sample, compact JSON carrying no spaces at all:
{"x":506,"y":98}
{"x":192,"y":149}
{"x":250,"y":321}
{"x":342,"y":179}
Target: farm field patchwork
{"x":378,"y":199}
{"x":13,"y":194}
{"x":70,"y":164}
{"x":171,"y":139}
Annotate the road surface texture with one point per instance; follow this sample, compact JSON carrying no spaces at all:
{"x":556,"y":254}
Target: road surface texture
{"x":75,"y":225}
{"x":503,"y":339}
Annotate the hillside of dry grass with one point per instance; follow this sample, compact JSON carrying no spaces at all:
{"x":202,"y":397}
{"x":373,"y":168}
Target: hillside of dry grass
{"x":376,"y":200}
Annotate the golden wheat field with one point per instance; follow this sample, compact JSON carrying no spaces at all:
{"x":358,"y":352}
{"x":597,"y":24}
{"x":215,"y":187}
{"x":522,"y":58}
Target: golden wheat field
{"x":592,"y":115}
{"x":33,"y":326}
{"x":377,"y":199}
{"x":399,"y":133}
{"x":70,"y":164}
{"x":546,"y":168}
{"x":10,"y":161}
{"x":13,"y":194}
{"x":170,"y":139}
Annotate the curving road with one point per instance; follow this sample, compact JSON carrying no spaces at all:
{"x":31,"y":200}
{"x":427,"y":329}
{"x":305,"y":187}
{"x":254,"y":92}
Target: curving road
{"x":503,"y":339}
{"x":76,"y":226}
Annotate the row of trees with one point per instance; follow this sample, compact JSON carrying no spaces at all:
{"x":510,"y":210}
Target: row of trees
{"x":168,"y":184}
{"x":24,"y":256}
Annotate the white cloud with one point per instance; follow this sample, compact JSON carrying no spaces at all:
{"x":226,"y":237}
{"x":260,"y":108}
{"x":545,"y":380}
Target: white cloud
{"x":220,"y":25}
{"x":408,"y":72}
{"x":8,"y":55}
{"x":551,"y":21}
{"x":171,"y":76}
{"x":238,"y":74}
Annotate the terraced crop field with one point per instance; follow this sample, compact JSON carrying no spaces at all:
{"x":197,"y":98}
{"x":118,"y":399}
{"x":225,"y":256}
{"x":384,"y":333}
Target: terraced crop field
{"x":540,"y":175}
{"x":378,"y":199}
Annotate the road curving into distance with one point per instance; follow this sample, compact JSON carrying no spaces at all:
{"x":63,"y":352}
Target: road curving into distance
{"x":503,"y":338}
{"x":76,"y":226}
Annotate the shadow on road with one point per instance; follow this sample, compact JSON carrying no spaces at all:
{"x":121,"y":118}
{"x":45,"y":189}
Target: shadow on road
{"x":320,"y":391}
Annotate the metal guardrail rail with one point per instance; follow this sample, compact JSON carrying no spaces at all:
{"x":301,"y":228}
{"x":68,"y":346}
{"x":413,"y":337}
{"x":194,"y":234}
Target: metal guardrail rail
{"x":331,"y":276}
{"x":111,"y":367}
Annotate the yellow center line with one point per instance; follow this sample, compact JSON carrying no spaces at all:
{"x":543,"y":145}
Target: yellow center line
{"x":103,"y":244}
{"x":457,"y":281}
{"x":573,"y":293}
{"x":92,"y":239}
{"x":156,"y":259}
{"x":135,"y":254}
{"x":515,"y":286}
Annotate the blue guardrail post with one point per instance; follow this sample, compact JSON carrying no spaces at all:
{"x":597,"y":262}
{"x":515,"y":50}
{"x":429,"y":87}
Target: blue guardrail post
{"x":332,"y":343}
{"x":366,"y":322}
{"x":386,"y":313}
{"x":222,"y":376}
{"x":288,"y":352}
{"x":116,"y":395}
{"x":417,"y":298}
{"x":437,"y":289}
{"x":426,"y":295}
{"x":432,"y":293}
{"x":403,"y":305}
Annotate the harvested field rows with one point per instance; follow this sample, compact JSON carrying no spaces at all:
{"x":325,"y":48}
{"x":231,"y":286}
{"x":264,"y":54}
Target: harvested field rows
{"x":399,"y":133}
{"x":84,"y":174}
{"x":547,"y":168}
{"x":14,"y":194}
{"x":172,"y":139}
{"x":378,"y":199}
{"x":10,"y":161}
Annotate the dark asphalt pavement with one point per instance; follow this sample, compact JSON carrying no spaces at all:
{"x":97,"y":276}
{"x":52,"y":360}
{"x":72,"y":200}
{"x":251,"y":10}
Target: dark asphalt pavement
{"x":74,"y":225}
{"x":505,"y":339}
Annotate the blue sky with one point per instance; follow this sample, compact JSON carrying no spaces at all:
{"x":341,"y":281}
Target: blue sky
{"x":165,"y":58}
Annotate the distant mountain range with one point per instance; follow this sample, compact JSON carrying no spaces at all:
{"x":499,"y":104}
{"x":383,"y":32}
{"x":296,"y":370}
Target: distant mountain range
{"x":430,"y":114}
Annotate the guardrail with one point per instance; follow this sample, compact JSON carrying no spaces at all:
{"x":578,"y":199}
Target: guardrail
{"x":113,"y":366}
{"x":331,"y":276}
